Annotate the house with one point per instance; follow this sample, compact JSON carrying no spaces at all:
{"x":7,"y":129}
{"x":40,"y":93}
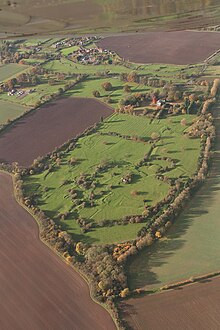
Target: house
{"x":160,"y":103}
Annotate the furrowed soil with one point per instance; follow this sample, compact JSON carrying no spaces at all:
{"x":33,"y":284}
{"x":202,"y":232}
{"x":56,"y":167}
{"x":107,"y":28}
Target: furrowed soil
{"x":38,"y":290}
{"x":43,"y":130}
{"x":178,"y":47}
{"x":192,"y":307}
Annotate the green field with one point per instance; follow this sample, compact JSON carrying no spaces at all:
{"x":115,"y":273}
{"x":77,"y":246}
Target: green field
{"x":168,"y":72}
{"x":119,"y":156}
{"x":69,"y":50}
{"x":42,"y":91}
{"x":191,"y":247}
{"x":10,"y":70}
{"x":86,"y":88}
{"x":10,"y":111}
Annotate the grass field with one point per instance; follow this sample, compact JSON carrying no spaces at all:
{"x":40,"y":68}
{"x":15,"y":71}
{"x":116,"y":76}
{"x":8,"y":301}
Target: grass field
{"x":113,"y":199}
{"x":10,"y":111}
{"x":167,"y":71}
{"x":42,"y":91}
{"x":69,"y":50}
{"x":86,"y":88}
{"x":191,"y":246}
{"x":10,"y":70}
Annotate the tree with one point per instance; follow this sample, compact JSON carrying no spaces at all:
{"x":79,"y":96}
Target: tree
{"x":96,"y":93}
{"x":155,"y":136}
{"x":183,"y":122}
{"x":124,"y":293}
{"x":127,"y":89}
{"x":107,"y":86}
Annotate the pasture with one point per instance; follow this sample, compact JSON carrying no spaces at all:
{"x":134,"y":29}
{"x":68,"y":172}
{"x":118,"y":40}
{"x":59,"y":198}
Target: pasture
{"x":86,"y":88}
{"x":117,"y":156}
{"x":191,"y":246}
{"x":10,"y":111}
{"x":10,"y":70}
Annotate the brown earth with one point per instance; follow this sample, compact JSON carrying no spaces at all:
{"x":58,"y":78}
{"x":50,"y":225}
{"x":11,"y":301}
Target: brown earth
{"x":192,"y":307}
{"x":38,"y":290}
{"x":41,"y":131}
{"x":179,"y":47}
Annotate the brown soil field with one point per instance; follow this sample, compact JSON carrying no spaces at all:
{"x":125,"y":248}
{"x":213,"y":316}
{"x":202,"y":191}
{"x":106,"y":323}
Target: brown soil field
{"x":38,"y":290}
{"x":41,"y":131}
{"x":179,"y":47}
{"x":191,"y":307}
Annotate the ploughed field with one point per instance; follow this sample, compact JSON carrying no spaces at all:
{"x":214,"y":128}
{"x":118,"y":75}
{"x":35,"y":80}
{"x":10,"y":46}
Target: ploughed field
{"x":38,"y":290}
{"x":87,"y":181}
{"x":48,"y":127}
{"x":179,"y":47}
{"x":192,"y":307}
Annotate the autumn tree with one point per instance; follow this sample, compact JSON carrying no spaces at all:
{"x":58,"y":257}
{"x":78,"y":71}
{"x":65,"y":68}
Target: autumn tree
{"x":107,"y":86}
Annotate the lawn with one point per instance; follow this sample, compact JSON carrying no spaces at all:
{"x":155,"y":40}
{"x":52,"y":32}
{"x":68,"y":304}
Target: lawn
{"x":10,"y":111}
{"x":118,"y":157}
{"x":10,"y":70}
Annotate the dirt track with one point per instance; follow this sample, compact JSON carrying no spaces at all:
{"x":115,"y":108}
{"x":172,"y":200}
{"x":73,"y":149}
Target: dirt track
{"x":193,"y":307}
{"x":38,"y":290}
{"x":50,"y":126}
{"x":179,"y":47}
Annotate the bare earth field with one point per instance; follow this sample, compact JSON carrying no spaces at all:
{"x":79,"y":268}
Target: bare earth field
{"x":38,"y":290}
{"x":41,"y":131}
{"x":192,"y":307}
{"x":179,"y":47}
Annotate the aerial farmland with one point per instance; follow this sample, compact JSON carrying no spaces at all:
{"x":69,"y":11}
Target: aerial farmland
{"x":109,"y":159}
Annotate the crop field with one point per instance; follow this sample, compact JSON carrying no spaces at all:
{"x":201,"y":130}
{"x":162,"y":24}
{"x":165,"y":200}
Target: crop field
{"x":92,"y":16}
{"x":179,"y":47}
{"x":41,"y":131}
{"x":10,"y":111}
{"x":50,"y":294}
{"x":117,"y":156}
{"x":192,"y":307}
{"x":10,"y":70}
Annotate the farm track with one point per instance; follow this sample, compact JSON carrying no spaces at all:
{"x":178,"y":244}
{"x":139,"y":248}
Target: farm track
{"x":178,"y":47}
{"x":41,"y":131}
{"x":38,"y":290}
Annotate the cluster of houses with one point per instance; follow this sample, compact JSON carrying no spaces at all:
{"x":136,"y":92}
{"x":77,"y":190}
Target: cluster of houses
{"x":20,"y":92}
{"x":78,"y":41}
{"x":93,"y":55}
